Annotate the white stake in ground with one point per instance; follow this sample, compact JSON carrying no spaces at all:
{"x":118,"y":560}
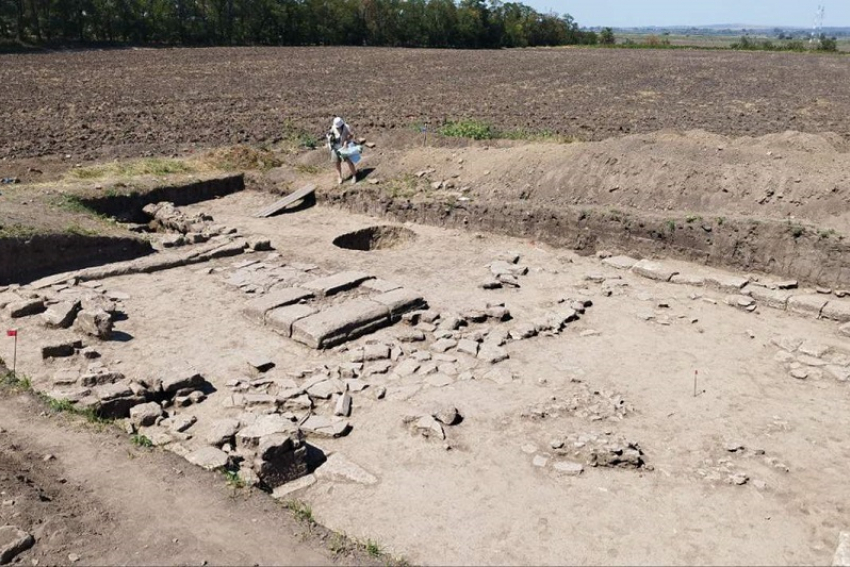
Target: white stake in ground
{"x":14,"y":333}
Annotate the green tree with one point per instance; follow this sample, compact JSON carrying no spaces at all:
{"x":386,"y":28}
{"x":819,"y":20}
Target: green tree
{"x":606,"y":37}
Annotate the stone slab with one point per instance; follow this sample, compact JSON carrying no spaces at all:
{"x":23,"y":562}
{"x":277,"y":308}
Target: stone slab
{"x":336,"y":283}
{"x":257,"y":308}
{"x":286,"y":491}
{"x":654,"y":270}
{"x":338,"y":468}
{"x":379,"y":285}
{"x":775,"y":298}
{"x":727,"y":283}
{"x":341,"y":323}
{"x":400,"y":301}
{"x":842,"y":551}
{"x":209,"y":458}
{"x":620,"y":262}
{"x":281,"y":319}
{"x":808,"y":305}
{"x":837,"y":310}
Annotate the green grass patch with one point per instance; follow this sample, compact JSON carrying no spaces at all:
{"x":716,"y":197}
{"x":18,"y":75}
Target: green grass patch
{"x":373,"y":548}
{"x":141,"y":441}
{"x":233,"y":480}
{"x":80,"y":230}
{"x":404,"y":187}
{"x":18,"y":231}
{"x":132,"y":168}
{"x":474,"y":129}
{"x":300,"y":510}
{"x":299,"y":137}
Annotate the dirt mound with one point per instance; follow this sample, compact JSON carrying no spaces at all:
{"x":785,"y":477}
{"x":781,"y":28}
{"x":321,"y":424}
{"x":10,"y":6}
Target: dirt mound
{"x":792,"y":175}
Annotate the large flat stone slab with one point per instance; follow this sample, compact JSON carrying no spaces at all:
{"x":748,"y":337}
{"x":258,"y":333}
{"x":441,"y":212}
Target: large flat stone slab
{"x":654,"y":270}
{"x":257,"y":308}
{"x":336,"y":283}
{"x":400,"y":301}
{"x":775,"y":298}
{"x":620,"y":262}
{"x":808,"y":305}
{"x":341,"y":323}
{"x":282,"y":318}
{"x":836,"y":310}
{"x":727,"y":283}
{"x":842,"y":551}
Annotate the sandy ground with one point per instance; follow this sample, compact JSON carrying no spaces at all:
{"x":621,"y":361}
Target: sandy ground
{"x":483,"y":501}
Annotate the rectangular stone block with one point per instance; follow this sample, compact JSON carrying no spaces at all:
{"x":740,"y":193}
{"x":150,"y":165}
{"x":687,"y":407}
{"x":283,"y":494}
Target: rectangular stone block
{"x":258,"y":308}
{"x":340,"y":323}
{"x":619,"y":262}
{"x":727,"y":283}
{"x":654,"y":270}
{"x":837,"y":310}
{"x":282,"y":318}
{"x":336,"y":283}
{"x":775,"y":298}
{"x":400,"y":301}
{"x":25,"y":308}
{"x":808,"y":305}
{"x":379,"y":285}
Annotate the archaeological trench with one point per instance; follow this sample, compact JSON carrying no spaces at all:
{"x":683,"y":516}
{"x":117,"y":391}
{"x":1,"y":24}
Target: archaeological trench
{"x":355,"y":340}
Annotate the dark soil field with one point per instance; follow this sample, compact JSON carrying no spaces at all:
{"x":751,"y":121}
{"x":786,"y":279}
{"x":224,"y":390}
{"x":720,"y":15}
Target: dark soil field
{"x":121,"y":103}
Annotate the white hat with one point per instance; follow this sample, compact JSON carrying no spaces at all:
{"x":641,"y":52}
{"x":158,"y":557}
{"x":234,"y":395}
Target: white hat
{"x":338,"y":122}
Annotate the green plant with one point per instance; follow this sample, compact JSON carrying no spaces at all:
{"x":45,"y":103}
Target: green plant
{"x":80,"y":231}
{"x":827,"y":233}
{"x":17,"y":231}
{"x":372,"y":548}
{"x":692,"y":218}
{"x":307,"y":169}
{"x":474,"y":129}
{"x":233,"y":480}
{"x":720,"y":220}
{"x":671,"y":225}
{"x":300,"y":510}
{"x":402,"y":188}
{"x":58,"y":405}
{"x":796,"y":230}
{"x":338,"y":543}
{"x":141,"y":441}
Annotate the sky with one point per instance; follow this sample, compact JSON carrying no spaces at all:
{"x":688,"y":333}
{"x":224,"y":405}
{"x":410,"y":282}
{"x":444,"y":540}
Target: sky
{"x":638,"y":13}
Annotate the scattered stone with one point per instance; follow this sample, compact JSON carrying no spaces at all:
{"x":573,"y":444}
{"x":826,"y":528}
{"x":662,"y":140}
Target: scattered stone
{"x":492,"y":354}
{"x":343,"y":405}
{"x":447,"y":415}
{"x":338,"y":468}
{"x":837,"y":311}
{"x":280,"y":458}
{"x":286,"y":491}
{"x":824,"y":290}
{"x":223,"y":432}
{"x":375,"y":352}
{"x":380,"y":392}
{"x":209,"y":458}
{"x":540,"y":461}
{"x":407,"y":367}
{"x":653,"y":270}
{"x":439,"y":380}
{"x":842,"y":551}
{"x":443,"y":345}
{"x":324,"y":427}
{"x":179,"y":423}
{"x":733,"y":447}
{"x":620,"y":262}
{"x":249,"y":437}
{"x":61,"y":315}
{"x":60,"y":350}
{"x":145,"y":415}
{"x":740,"y":301}
{"x":428,"y":426}
{"x":760,"y":484}
{"x":13,"y":542}
{"x":568,"y":468}
{"x":97,"y":323}
{"x":73,"y":557}
{"x":523,"y":331}
{"x":490,"y":283}
{"x":25,"y":308}
{"x":800,"y":373}
{"x":90,"y":353}
{"x":260,"y":244}
{"x":326,"y":389}
{"x":411,"y":336}
{"x":726,"y":283}
{"x":66,"y":377}
{"x":739,"y":479}
{"x":811,"y":361}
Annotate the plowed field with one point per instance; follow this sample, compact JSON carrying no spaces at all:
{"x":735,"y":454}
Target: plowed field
{"x":98,"y":104}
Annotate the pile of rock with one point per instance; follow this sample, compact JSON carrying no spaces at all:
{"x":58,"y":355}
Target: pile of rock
{"x":504,"y":271}
{"x":588,"y":403}
{"x":431,"y":424}
{"x":600,"y":450}
{"x":805,"y":360}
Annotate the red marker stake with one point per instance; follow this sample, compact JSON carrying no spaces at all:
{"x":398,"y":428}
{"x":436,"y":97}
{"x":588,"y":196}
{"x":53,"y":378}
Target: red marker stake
{"x":14,"y":333}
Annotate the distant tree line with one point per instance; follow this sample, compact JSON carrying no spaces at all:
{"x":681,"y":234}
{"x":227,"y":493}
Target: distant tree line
{"x":403,"y":23}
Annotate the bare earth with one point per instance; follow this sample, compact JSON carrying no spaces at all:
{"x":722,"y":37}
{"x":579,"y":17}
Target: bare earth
{"x":478,"y":497}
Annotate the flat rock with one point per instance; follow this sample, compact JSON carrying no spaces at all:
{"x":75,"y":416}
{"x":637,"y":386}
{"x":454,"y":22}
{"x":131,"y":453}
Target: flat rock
{"x":286,"y":491}
{"x":13,"y":542}
{"x":568,"y":468}
{"x":222,"y":431}
{"x":336,"y":283}
{"x":61,"y":315}
{"x":145,"y":415}
{"x":688,"y":279}
{"x":257,"y":308}
{"x":209,"y":458}
{"x":25,"y":308}
{"x":340,"y":323}
{"x":66,"y":377}
{"x":281,"y":319}
{"x":774,"y":298}
{"x":841,"y":558}
{"x":94,"y":322}
{"x":837,"y":311}
{"x":492,"y":354}
{"x":325,"y":427}
{"x":620,"y":262}
{"x":467,"y":346}
{"x":60,"y":350}
{"x":808,"y":305}
{"x":727,"y":283}
{"x":342,"y":407}
{"x":400,"y":301}
{"x":375,"y":352}
{"x":181,"y":380}
{"x":338,"y":468}
{"x":430,"y":427}
{"x":442,"y":345}
{"x":653,"y":270}
{"x":407,"y":367}
{"x":249,"y":437}
{"x":500,"y":376}
{"x":438,"y":380}
{"x":379,"y":285}
{"x":447,"y":415}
